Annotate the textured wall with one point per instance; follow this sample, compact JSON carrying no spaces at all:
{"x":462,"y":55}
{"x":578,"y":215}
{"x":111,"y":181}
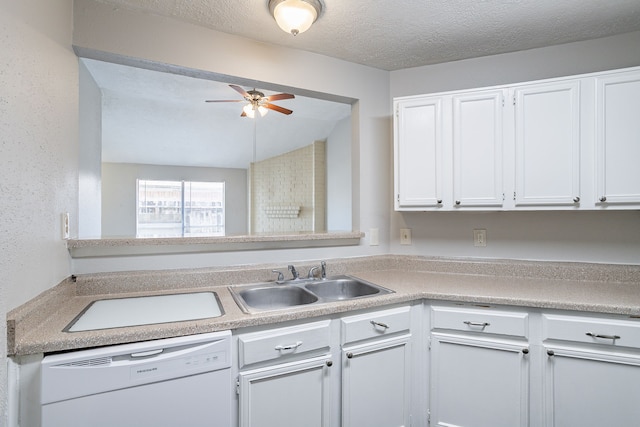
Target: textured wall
{"x":38,"y":153}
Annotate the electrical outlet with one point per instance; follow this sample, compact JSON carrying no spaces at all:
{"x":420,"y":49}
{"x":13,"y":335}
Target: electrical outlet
{"x":65,"y":225}
{"x":480,"y":237}
{"x":374,"y":237}
{"x":405,"y":236}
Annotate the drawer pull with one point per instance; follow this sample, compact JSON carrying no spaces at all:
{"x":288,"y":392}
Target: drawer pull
{"x":382,"y":325}
{"x":606,"y":337}
{"x":349,"y":355}
{"x":550,"y":353}
{"x":329,"y":363}
{"x":289,"y":346}
{"x":525,"y":351}
{"x":478,"y":324}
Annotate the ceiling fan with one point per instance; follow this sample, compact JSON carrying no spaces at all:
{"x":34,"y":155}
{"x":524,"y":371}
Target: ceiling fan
{"x":257,"y":101}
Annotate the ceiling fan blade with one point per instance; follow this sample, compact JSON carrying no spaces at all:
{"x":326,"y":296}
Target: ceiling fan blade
{"x":280,"y":96}
{"x":224,"y":100}
{"x":240,"y":91}
{"x":277,"y":108}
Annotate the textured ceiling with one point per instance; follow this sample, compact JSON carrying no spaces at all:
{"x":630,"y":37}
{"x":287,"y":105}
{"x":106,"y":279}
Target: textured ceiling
{"x":392,"y":35}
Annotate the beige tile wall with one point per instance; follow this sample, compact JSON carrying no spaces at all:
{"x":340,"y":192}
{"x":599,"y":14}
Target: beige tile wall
{"x":281,"y":184}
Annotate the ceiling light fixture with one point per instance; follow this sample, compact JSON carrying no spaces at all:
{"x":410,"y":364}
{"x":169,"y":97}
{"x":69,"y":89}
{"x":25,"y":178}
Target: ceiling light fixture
{"x":295,"y":16}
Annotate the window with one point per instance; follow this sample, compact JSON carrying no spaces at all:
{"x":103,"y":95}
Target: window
{"x":180,"y":209}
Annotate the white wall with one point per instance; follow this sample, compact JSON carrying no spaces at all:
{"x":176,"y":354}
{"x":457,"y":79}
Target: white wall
{"x":100,"y":29}
{"x":38,"y":153}
{"x":609,"y":237}
{"x":339,"y":177}
{"x":90,"y":155}
{"x":119,"y":193}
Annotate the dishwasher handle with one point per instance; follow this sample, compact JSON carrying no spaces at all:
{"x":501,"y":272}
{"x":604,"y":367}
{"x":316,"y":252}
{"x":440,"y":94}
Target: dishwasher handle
{"x":149,"y":353}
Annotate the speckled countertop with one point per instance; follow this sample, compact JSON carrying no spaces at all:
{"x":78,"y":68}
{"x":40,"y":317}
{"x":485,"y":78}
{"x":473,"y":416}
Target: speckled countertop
{"x":36,"y":327}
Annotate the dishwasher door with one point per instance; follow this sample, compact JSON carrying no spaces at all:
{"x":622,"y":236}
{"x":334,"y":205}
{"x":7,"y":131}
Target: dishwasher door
{"x":183,"y":381}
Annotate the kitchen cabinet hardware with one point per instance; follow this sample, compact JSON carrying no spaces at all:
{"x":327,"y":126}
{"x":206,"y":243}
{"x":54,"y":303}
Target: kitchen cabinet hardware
{"x":349,"y":355}
{"x":603,"y":199}
{"x":439,"y":201}
{"x":603,"y":336}
{"x":382,"y":325}
{"x":576,"y":199}
{"x":525,"y":351}
{"x":288,"y":346}
{"x":329,"y":363}
{"x":550,"y":353}
{"x":457,"y":202}
{"x":478,"y":324}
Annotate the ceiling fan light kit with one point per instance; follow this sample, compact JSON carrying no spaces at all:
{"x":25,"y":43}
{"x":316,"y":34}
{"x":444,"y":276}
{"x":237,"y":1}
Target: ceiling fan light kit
{"x":295,"y":16}
{"x":257,"y":101}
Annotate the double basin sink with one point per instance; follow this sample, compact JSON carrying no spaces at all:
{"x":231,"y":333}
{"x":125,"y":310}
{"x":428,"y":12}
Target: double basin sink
{"x":275,"y":296}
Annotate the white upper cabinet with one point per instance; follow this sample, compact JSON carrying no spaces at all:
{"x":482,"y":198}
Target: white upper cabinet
{"x":560,"y":144}
{"x":547,"y":144}
{"x":618,"y":139}
{"x":418,"y":158}
{"x":477,"y":149}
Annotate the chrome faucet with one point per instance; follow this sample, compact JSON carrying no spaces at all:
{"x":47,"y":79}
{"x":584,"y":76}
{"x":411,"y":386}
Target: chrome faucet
{"x":312,"y":272}
{"x":294,"y":272}
{"x":323,"y":267}
{"x":280,"y":278}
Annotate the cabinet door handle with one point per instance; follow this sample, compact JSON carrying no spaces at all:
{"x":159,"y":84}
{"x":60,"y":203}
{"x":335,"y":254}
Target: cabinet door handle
{"x":479,"y":324}
{"x":349,"y":355}
{"x":382,"y":325}
{"x":329,"y":363}
{"x":576,"y":199}
{"x":606,"y":337}
{"x":550,"y":353}
{"x":457,"y":202}
{"x":525,"y":351}
{"x":289,"y":346}
{"x":603,"y":199}
{"x":439,"y":201}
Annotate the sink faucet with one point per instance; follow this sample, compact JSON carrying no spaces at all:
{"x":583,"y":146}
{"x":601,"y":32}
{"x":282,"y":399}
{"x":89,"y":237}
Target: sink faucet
{"x":323,"y":266}
{"x":280,"y":278}
{"x":294,"y":272}
{"x":312,"y":272}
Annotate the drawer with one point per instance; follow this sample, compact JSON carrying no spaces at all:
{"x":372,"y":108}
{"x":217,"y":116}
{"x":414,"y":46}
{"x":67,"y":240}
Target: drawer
{"x":591,"y":330}
{"x":376,"y":324}
{"x":281,"y":343}
{"x":487,"y":321}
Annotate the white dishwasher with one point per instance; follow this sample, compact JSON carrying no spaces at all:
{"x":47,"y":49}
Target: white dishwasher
{"x":184,"y":381}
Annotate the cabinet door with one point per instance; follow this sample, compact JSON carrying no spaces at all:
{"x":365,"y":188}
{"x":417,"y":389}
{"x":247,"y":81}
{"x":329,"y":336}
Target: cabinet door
{"x":587,"y":388}
{"x":291,"y":394}
{"x":547,"y":144}
{"x":418,"y":153}
{"x":618,"y":139}
{"x":477,"y":149}
{"x":376,"y":384}
{"x":478,"y":383}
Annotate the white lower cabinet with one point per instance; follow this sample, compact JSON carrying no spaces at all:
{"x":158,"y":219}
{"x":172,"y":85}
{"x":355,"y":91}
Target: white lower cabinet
{"x":291,"y":376}
{"x":592,"y":372}
{"x":376,"y":374}
{"x":286,"y":376}
{"x":479,"y":377}
{"x":290,"y":394}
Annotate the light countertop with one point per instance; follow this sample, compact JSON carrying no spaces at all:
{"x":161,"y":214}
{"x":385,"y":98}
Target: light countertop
{"x":37,"y":326}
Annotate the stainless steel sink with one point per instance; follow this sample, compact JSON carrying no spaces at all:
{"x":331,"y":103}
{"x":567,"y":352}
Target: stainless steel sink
{"x":343,"y":288}
{"x":276,"y":296}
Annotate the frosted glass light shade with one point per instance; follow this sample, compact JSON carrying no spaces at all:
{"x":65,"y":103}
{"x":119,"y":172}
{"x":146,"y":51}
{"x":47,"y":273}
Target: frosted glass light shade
{"x":294,"y":16}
